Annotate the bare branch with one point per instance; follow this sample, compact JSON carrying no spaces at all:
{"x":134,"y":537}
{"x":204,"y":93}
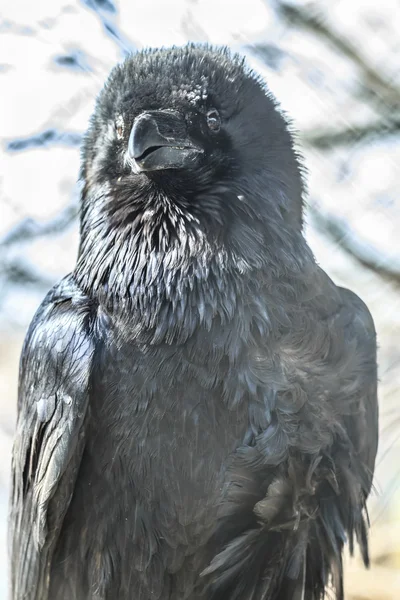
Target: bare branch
{"x":384,"y":90}
{"x":340,"y":232}
{"x":28,"y":229}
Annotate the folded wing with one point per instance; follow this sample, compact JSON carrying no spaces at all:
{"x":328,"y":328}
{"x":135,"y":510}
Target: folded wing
{"x":52,"y":403}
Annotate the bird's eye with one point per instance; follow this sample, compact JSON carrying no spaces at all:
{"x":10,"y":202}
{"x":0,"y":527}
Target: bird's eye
{"x":213,"y":120}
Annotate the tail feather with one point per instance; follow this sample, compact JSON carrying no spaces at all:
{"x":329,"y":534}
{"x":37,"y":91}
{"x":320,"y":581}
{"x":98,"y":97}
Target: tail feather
{"x":288,"y":545}
{"x":295,"y":589}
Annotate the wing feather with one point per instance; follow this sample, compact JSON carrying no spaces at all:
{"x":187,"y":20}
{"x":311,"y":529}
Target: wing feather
{"x":53,"y":396}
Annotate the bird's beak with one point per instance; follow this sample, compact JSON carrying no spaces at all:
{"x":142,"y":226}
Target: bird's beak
{"x":159,"y":140}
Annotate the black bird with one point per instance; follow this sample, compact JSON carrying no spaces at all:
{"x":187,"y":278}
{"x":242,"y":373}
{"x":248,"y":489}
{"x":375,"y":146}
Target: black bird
{"x":197,"y":399}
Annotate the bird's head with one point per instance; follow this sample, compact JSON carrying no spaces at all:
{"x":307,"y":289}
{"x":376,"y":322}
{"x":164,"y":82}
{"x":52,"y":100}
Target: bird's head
{"x":194,"y":126}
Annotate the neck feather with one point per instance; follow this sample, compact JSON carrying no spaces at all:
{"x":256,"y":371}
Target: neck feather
{"x":158,"y":268}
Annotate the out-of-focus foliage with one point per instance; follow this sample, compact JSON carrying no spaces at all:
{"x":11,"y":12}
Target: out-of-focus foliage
{"x":333,"y":65}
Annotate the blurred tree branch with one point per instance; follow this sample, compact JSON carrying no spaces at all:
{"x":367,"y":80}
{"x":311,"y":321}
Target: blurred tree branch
{"x":340,"y":232}
{"x":14,"y":268}
{"x":309,"y":18}
{"x":29,"y":229}
{"x":383,"y":127}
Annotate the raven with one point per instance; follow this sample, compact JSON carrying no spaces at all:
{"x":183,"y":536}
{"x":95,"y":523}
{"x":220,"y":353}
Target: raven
{"x":197,"y":412}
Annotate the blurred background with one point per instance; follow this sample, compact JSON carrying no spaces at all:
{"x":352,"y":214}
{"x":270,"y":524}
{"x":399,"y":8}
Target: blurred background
{"x":334,"y":65}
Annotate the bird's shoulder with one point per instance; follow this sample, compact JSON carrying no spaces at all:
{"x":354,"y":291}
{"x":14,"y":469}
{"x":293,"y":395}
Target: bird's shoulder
{"x":58,"y":337}
{"x":341,"y":309}
{"x":350,"y":328}
{"x":360,"y":316}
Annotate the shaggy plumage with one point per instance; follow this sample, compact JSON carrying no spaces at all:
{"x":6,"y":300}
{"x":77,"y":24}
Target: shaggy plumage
{"x":197,"y":401}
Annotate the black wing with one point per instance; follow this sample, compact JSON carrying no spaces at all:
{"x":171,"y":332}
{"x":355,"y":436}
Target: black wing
{"x":52,"y":402}
{"x":298,"y":488}
{"x":363,"y":425}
